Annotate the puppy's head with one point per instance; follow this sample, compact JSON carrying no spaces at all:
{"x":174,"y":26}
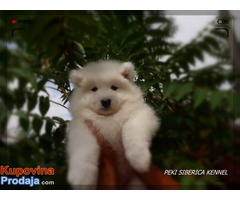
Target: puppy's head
{"x":103,"y":87}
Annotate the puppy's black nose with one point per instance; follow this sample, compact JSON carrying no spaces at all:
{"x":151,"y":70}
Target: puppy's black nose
{"x":106,"y":103}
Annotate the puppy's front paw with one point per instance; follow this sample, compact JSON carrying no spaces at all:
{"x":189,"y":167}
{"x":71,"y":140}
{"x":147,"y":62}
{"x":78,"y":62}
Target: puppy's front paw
{"x":139,"y":159}
{"x":83,"y":177}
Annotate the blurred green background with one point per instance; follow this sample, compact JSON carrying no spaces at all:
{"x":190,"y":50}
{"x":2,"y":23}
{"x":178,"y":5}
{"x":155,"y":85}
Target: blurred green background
{"x":198,"y":114}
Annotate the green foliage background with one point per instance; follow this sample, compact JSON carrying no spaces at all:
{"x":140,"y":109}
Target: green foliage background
{"x":196,"y":115}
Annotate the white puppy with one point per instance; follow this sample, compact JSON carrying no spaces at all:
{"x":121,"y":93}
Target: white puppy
{"x":105,"y":94}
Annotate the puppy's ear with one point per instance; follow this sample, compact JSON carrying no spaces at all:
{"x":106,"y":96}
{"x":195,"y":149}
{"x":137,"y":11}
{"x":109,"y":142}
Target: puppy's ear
{"x":75,"y":77}
{"x":127,"y":71}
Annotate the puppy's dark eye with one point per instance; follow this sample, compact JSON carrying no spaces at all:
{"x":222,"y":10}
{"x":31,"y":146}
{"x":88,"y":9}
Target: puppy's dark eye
{"x":94,"y":89}
{"x":113,"y":87}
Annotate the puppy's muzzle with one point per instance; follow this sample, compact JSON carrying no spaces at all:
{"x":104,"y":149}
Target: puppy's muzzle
{"x":106,"y":103}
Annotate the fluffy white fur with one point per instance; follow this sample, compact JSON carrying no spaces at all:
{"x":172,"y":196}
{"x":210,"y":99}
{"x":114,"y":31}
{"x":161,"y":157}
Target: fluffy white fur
{"x":128,"y":124}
